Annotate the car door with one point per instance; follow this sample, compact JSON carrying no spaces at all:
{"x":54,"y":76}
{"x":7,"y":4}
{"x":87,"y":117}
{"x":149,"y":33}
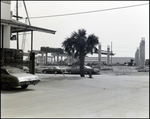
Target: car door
{"x":5,"y":84}
{"x":76,"y":69}
{"x":50,"y":70}
{"x":3,"y":76}
{"x":6,"y":78}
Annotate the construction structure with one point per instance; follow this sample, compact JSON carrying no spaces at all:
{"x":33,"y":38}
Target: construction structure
{"x":42,"y":57}
{"x":57,"y":56}
{"x":137,"y":57}
{"x":140,"y":54}
{"x":108,"y":53}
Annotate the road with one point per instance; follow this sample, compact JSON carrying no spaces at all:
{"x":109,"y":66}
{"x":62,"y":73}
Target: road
{"x":73,"y":96}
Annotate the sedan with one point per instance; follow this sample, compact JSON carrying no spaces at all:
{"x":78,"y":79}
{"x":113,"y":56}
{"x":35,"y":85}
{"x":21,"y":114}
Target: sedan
{"x":53,"y":69}
{"x":87,"y":69}
{"x":39,"y":69}
{"x":13,"y":77}
{"x":25,"y":68}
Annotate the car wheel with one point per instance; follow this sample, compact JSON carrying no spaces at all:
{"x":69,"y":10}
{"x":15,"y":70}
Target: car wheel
{"x":5,"y":86}
{"x":24,"y":86}
{"x":44,"y":72}
{"x":70,"y":72}
{"x":55,"y":72}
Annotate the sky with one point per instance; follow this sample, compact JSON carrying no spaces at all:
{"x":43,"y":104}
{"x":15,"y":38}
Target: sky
{"x":123,"y":27}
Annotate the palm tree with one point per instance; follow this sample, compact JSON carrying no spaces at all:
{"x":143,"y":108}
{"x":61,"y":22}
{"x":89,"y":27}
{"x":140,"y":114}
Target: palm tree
{"x":79,"y":45}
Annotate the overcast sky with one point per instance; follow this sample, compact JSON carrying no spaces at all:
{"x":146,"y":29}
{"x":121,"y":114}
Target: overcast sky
{"x":123,"y":27}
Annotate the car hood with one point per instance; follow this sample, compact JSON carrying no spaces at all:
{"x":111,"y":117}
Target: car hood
{"x":25,"y":77}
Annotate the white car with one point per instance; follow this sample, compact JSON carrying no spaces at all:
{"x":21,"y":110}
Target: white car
{"x":13,"y":77}
{"x":87,"y":69}
{"x":26,"y":69}
{"x":40,"y":69}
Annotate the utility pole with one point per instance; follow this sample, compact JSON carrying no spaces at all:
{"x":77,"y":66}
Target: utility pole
{"x":24,"y":34}
{"x":26,"y":12}
{"x":24,"y":38}
{"x":32,"y":54}
{"x":17,"y":20}
{"x":111,"y":53}
{"x":108,"y":55}
{"x":99,"y":55}
{"x":2,"y":32}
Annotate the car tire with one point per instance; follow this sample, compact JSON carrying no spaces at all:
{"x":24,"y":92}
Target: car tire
{"x":24,"y":86}
{"x":55,"y":72}
{"x":44,"y":72}
{"x":5,"y":86}
{"x":70,"y":72}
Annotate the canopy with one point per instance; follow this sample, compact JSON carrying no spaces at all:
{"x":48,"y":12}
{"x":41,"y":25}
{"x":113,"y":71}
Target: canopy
{"x":17,"y":26}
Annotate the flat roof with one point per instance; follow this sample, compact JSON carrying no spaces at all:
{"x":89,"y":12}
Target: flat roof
{"x":17,"y":26}
{"x":104,"y":52}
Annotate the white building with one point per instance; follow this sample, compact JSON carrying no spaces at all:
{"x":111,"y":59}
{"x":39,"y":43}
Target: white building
{"x":5,"y":28}
{"x":10,"y":26}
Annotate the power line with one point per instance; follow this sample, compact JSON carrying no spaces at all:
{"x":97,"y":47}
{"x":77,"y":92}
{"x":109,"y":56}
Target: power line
{"x":88,"y":11}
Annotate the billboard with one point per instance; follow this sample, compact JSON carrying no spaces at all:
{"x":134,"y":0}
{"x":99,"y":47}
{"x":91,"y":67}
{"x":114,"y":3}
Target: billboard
{"x":52,"y":50}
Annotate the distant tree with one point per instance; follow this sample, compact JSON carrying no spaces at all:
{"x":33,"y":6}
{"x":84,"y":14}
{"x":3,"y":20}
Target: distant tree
{"x":79,"y":45}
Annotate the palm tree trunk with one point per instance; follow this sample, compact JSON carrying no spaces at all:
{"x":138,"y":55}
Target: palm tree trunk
{"x":82,"y":65}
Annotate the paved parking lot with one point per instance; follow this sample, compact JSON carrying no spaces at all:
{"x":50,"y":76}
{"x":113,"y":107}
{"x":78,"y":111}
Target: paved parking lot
{"x":73,"y":96}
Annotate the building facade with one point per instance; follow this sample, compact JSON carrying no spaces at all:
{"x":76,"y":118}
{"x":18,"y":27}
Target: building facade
{"x":5,"y":28}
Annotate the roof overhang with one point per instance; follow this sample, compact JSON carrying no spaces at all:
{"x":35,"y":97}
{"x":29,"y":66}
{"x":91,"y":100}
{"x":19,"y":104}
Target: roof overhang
{"x":17,"y":26}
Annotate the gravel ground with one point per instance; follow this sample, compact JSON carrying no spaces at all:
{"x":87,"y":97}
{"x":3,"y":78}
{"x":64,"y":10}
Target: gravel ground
{"x":119,"y":93}
{"x":122,"y":70}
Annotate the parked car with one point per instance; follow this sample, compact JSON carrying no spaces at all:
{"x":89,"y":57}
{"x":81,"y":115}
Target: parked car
{"x":25,"y":68}
{"x":13,"y":77}
{"x":96,"y":71}
{"x":145,"y":69}
{"x":87,"y":69}
{"x":39,"y":69}
{"x":53,"y":69}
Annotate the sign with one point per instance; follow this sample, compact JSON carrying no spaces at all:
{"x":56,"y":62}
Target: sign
{"x":52,"y":50}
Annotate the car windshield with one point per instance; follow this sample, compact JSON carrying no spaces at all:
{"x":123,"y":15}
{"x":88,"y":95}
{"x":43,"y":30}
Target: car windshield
{"x":14,"y":71}
{"x":25,"y":67}
{"x":56,"y":67}
{"x":88,"y":67}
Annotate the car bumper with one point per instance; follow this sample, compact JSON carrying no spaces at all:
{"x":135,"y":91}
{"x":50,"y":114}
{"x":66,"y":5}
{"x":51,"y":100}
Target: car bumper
{"x":29,"y":82}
